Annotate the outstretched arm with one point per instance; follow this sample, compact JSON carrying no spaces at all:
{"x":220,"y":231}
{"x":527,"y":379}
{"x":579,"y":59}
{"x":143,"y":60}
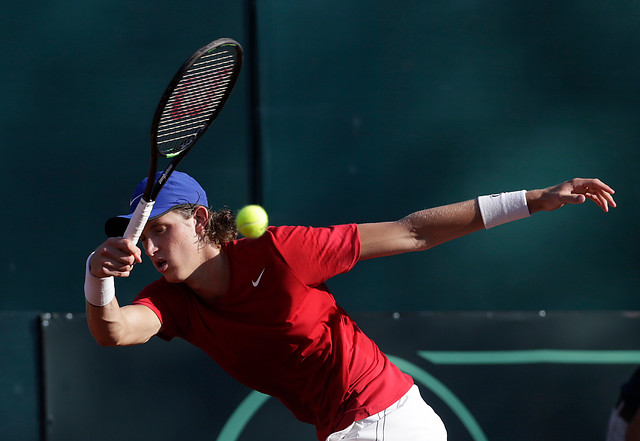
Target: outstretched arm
{"x":427,"y":228}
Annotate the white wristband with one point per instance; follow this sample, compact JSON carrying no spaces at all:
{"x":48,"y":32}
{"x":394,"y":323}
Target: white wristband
{"x":99,"y":291}
{"x":498,"y":209}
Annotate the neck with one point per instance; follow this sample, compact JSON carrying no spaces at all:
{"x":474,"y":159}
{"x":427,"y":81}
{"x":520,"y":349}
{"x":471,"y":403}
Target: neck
{"x":210,"y":280}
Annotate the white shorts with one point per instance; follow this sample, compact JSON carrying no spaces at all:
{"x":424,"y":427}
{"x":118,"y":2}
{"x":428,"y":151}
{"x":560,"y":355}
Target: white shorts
{"x":617,"y":427}
{"x":410,"y":418}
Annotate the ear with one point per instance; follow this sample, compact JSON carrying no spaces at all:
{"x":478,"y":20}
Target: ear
{"x":201,"y":216}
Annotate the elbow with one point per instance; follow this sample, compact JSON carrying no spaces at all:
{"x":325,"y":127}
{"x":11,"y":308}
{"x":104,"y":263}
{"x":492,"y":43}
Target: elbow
{"x":109,"y":341}
{"x":420,"y":242}
{"x":105,"y":337}
{"x":105,"y":341}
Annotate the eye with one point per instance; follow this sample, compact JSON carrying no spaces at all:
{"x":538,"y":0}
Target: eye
{"x":154,"y":230}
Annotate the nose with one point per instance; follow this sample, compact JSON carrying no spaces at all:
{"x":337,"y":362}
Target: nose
{"x":149,"y":247}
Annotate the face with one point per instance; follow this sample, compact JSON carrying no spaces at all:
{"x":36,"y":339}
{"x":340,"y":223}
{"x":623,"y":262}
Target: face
{"x":172,"y":243}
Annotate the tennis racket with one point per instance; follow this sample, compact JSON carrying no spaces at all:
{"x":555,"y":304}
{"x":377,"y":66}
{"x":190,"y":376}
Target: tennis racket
{"x":192,"y":101}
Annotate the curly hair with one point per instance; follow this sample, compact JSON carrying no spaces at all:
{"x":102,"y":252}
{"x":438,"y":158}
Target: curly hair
{"x":222,"y":223}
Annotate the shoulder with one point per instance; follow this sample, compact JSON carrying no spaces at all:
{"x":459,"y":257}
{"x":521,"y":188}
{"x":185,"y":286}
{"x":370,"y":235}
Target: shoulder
{"x":285,"y":236}
{"x":300,"y":234}
{"x":161,"y":285}
{"x":162,"y":290}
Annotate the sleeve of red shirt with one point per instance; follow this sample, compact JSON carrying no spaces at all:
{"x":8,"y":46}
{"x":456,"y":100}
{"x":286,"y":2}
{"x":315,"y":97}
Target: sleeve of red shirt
{"x":162,"y":299}
{"x":317,"y":254}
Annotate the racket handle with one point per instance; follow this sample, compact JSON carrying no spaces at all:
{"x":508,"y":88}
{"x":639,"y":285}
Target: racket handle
{"x":138,"y":220}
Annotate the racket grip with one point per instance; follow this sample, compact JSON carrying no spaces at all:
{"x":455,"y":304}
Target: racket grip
{"x":138,"y":220}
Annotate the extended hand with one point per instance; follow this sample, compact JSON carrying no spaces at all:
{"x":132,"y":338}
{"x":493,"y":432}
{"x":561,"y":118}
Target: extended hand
{"x":575,"y":191}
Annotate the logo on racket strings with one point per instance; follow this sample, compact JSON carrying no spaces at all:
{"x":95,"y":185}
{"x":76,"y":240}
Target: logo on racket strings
{"x":192,"y":101}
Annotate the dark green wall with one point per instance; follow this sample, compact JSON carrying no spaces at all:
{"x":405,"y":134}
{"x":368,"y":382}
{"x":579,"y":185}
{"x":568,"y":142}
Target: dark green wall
{"x":80,"y":82}
{"x":368,"y":111}
{"x":491,"y":377}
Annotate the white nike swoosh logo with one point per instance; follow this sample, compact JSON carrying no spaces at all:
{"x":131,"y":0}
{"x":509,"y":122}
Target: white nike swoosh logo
{"x":134,"y":200}
{"x":255,"y":283}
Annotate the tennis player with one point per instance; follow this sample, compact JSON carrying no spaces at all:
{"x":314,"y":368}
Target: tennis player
{"x":260,"y":307}
{"x":624,"y":422}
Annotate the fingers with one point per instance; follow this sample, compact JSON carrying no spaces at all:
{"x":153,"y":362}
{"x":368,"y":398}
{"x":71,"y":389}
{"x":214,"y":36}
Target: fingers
{"x":601,"y":201}
{"x":115,"y":257}
{"x":598,"y":192}
{"x":595,"y":190}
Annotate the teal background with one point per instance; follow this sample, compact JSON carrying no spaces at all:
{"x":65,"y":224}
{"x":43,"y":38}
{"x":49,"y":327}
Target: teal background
{"x":366,"y":111}
{"x":372,"y":112}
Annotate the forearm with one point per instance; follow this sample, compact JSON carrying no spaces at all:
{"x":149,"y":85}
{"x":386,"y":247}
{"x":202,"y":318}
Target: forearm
{"x":420,"y":230}
{"x":106,"y":323}
{"x":110,"y":324}
{"x":428,"y":228}
{"x":434,"y":226}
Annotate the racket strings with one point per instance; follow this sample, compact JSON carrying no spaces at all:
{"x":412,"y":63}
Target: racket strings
{"x":194,"y":100}
{"x":198,"y":100}
{"x":203,"y":76}
{"x":195,"y":96}
{"x":199,"y":84}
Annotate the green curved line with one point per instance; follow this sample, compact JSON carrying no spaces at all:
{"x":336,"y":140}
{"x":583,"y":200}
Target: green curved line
{"x":241,"y":416}
{"x":532,"y":356}
{"x":253,"y":402}
{"x":445,"y":395}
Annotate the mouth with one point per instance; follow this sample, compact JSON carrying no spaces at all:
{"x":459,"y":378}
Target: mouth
{"x":161,"y":265}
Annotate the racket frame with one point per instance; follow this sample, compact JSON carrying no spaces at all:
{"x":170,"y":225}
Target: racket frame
{"x":145,"y":205}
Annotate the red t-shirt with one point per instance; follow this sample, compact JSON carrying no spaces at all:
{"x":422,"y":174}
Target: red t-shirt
{"x":279,"y":330}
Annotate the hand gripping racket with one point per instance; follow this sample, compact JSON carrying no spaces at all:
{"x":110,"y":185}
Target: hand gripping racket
{"x":192,"y":101}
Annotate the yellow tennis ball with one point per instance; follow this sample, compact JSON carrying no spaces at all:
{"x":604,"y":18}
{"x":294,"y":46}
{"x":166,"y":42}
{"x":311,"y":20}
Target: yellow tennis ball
{"x":252,"y":221}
